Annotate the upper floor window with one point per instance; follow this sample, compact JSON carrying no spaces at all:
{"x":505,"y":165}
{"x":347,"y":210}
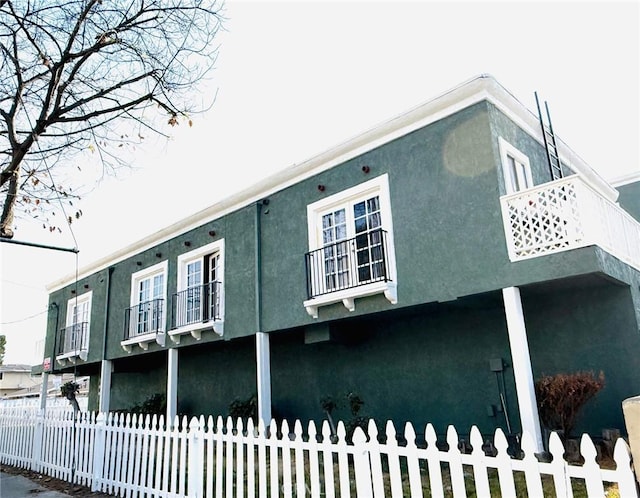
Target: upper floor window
{"x":145,"y":319}
{"x":200,"y":297}
{"x":74,"y":337}
{"x":515,"y":167}
{"x":351,"y":246}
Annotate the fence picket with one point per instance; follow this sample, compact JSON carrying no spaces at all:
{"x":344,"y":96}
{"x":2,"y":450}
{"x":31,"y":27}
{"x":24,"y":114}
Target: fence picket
{"x":531,"y":469}
{"x":433,"y":462}
{"x":273,"y":458}
{"x":298,"y":442}
{"x":558,"y":470}
{"x":592,"y":477}
{"x":480,"y":469}
{"x":251,"y":445}
{"x":314,"y":466}
{"x":239,"y":458}
{"x":287,"y":481}
{"x":137,"y":456}
{"x":327,"y":461}
{"x":375,"y":460}
{"x":455,"y":463}
{"x":393,"y":460}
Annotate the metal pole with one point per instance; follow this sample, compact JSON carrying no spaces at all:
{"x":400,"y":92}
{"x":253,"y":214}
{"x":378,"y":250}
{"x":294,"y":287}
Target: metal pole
{"x":41,"y":246}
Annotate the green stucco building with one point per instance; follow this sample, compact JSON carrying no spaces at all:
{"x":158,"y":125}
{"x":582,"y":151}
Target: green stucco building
{"x":431,"y":265}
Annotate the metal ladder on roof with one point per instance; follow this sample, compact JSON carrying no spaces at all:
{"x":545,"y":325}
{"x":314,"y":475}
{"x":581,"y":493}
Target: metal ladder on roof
{"x":555,"y":166}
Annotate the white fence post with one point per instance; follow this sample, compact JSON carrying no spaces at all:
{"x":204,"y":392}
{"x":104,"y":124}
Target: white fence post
{"x":196,"y":460}
{"x":361,"y":464}
{"x":38,"y":434}
{"x":99,"y":452}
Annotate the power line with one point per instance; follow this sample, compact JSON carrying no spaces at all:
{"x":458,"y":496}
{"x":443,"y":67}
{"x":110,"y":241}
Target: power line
{"x":25,"y":319}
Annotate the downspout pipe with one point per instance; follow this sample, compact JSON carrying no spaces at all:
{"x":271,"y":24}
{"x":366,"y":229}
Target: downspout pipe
{"x":263,"y":360}
{"x":105,"y":365}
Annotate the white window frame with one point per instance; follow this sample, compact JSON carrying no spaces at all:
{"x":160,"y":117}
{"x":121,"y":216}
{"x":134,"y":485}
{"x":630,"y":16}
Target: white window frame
{"x":71,"y":356}
{"x":159,"y":336}
{"x":524,"y":176}
{"x":196,"y":329}
{"x":378,"y":186}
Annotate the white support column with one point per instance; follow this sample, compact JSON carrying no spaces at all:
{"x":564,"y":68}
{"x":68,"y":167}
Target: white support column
{"x":172,"y":386}
{"x":44,"y":388}
{"x":522,"y":365}
{"x":263,"y":364}
{"x":36,"y":448}
{"x":106,"y":368}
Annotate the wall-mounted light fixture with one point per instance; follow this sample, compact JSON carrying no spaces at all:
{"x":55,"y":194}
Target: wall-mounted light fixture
{"x":139,"y":263}
{"x":366,"y":169}
{"x":158,"y":255}
{"x":212,"y":233}
{"x":321,"y":188}
{"x":187,"y":243}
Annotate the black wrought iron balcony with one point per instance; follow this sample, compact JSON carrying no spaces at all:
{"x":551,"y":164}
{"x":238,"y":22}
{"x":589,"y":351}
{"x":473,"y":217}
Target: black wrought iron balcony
{"x":73,"y":339}
{"x":197,"y":304}
{"x":144,"y":318}
{"x":348,"y":264}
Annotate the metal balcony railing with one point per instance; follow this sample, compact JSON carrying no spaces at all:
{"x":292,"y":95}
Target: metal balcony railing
{"x":567,"y":214}
{"x":144,"y":318}
{"x":348,"y":263}
{"x":73,"y":339}
{"x":196,"y":305}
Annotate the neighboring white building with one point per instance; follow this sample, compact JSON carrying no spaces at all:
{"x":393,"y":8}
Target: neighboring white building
{"x":17,"y":378}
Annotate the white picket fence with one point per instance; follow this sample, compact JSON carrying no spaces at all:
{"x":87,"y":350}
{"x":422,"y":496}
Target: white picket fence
{"x":124,"y":455}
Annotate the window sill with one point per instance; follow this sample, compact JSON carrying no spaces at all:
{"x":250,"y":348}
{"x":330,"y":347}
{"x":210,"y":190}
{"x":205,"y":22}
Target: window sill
{"x":71,"y":357}
{"x":143,"y":340}
{"x":196,"y":329}
{"x":348,"y":296}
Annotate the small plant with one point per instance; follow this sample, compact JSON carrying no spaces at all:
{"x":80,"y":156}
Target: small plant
{"x":244,"y":409}
{"x":69,"y":391}
{"x":561,"y":398}
{"x":354,"y":402}
{"x":156,"y":404}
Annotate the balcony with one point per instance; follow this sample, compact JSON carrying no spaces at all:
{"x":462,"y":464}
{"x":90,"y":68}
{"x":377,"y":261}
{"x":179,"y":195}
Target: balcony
{"x":348,"y":269}
{"x":143,"y":324}
{"x":567,"y":214}
{"x":73,"y":343}
{"x":196,"y":309}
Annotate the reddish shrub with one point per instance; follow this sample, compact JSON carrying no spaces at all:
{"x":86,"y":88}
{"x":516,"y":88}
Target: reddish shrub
{"x":562,"y":396}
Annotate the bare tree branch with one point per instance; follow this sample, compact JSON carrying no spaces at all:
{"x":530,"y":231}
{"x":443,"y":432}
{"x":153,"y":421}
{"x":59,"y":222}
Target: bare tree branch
{"x":77,"y":76}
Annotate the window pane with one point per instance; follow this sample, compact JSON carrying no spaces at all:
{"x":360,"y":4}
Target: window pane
{"x":359,"y":210}
{"x":361,"y":225}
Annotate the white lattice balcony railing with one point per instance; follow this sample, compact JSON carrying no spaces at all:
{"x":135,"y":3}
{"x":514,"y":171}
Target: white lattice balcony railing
{"x":567,"y":214}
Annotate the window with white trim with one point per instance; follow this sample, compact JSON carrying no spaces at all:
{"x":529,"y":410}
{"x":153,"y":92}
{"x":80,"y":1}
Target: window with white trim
{"x":146,"y":317}
{"x":199,"y":302}
{"x":351,"y":250}
{"x":74,"y":337}
{"x":515,"y":167}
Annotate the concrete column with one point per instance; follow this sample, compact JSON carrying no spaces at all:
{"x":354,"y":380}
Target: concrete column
{"x":522,"y":371}
{"x":106,"y":368}
{"x":631,"y":411}
{"x":172,"y":386}
{"x":263,"y":363}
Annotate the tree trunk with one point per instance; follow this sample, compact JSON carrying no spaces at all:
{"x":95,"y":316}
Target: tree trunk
{"x":6,"y":222}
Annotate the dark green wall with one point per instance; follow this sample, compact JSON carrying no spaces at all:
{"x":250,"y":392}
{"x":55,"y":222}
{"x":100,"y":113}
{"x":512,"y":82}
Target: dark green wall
{"x":590,"y":328}
{"x":212,"y":376}
{"x":135,"y":380}
{"x":629,"y":198}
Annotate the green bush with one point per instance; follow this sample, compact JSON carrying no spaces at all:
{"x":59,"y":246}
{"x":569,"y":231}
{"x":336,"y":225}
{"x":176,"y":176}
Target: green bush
{"x":245,"y":409}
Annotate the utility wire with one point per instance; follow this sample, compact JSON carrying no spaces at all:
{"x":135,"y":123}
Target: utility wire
{"x":25,"y":319}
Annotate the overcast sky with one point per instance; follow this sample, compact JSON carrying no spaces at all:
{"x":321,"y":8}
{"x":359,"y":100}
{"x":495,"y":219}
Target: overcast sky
{"x":296,"y":78}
